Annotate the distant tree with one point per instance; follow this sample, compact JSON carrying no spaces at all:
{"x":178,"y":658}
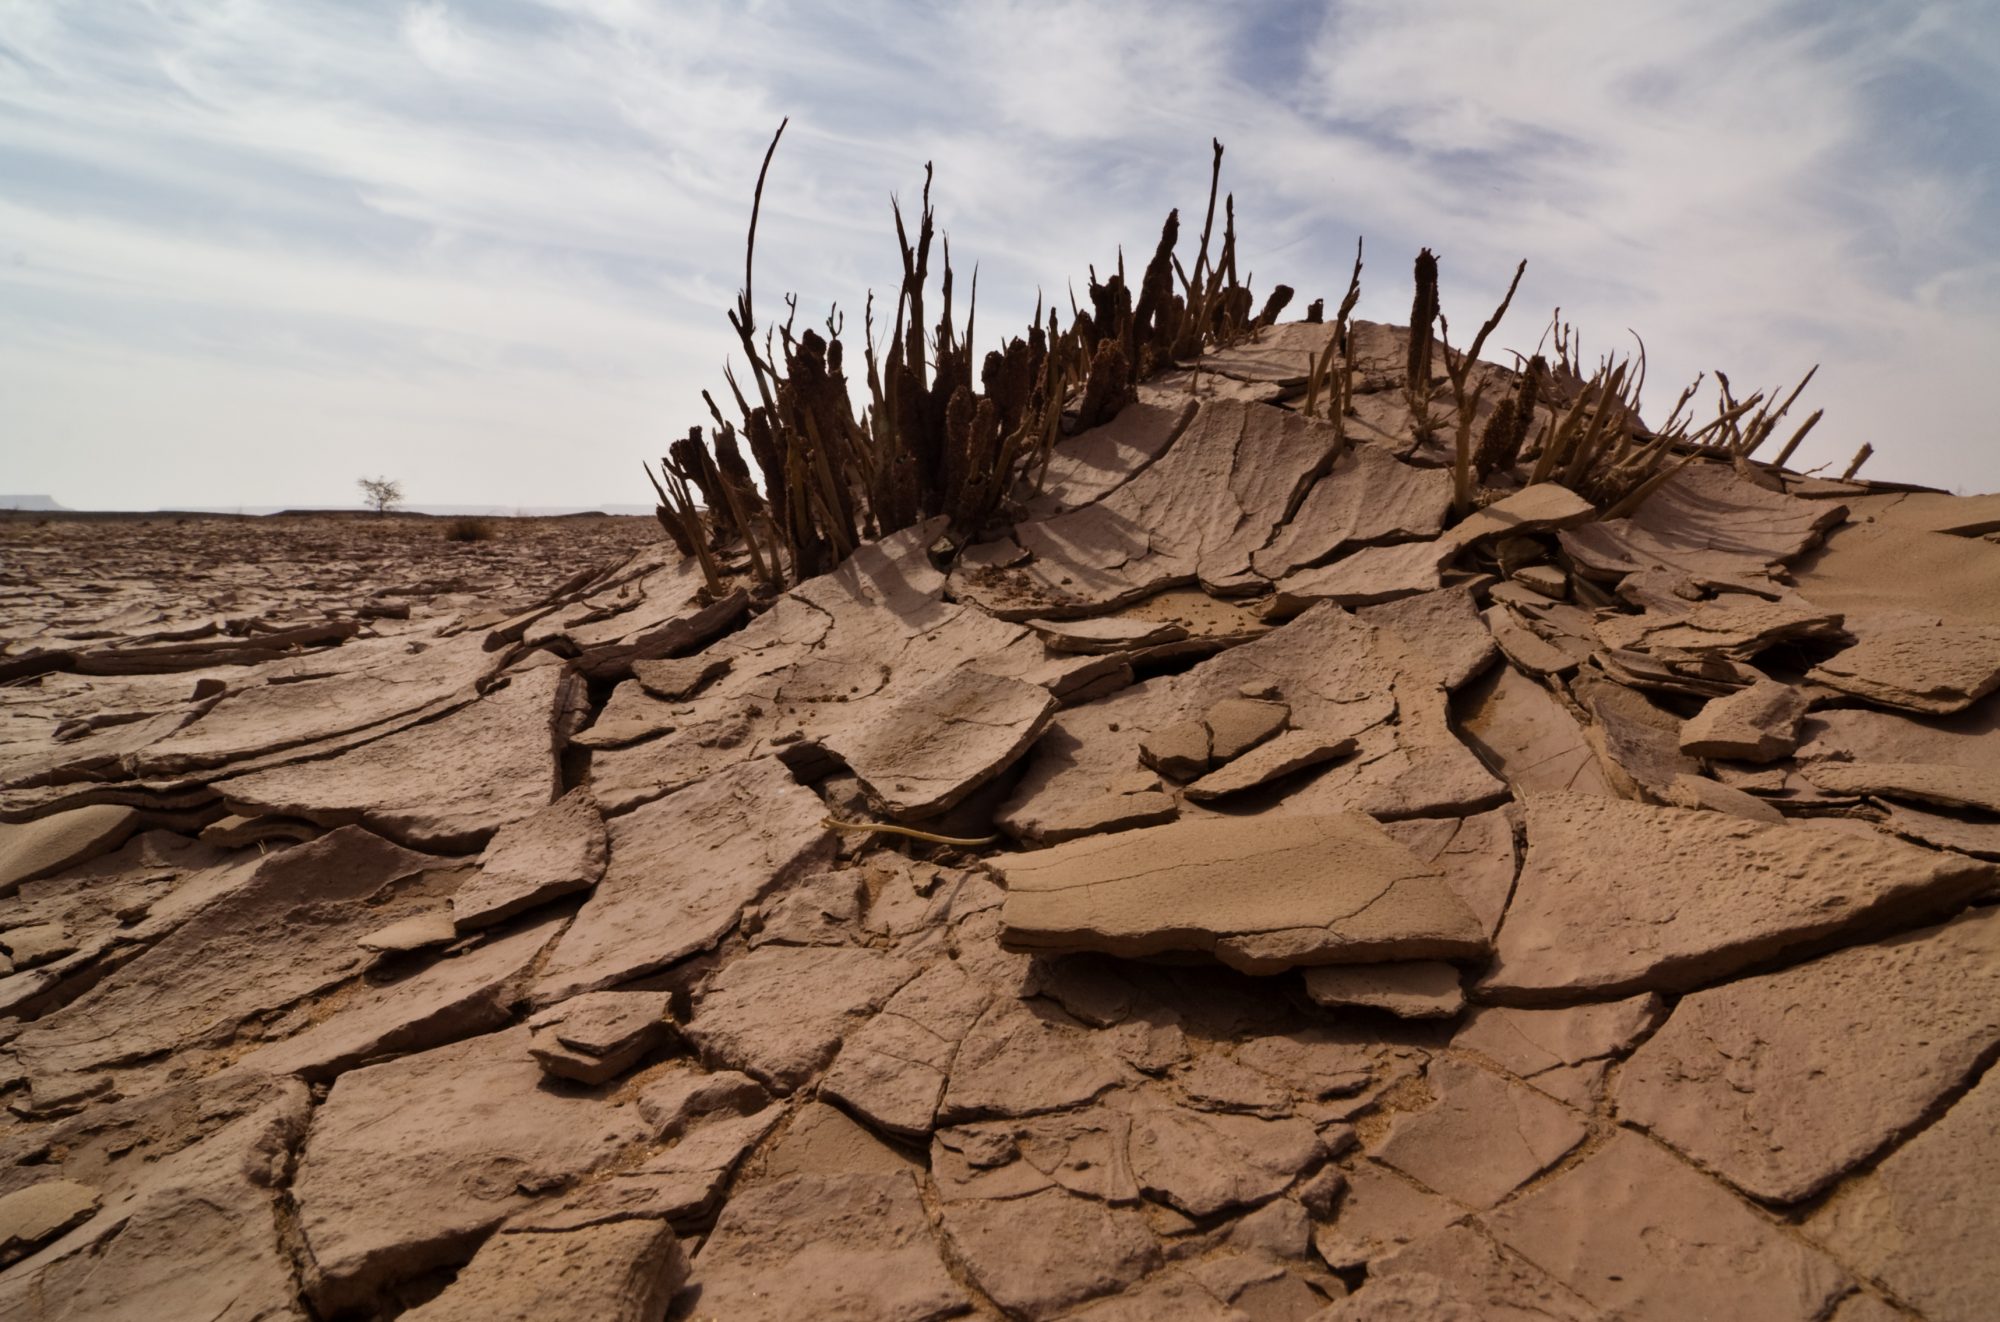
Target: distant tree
{"x":381,"y":494}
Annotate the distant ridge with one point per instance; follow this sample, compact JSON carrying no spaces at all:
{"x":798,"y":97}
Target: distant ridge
{"x":39,"y":503}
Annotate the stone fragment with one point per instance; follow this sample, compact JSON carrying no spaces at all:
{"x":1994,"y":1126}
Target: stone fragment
{"x":1236,"y":725}
{"x":1366,"y":495}
{"x":31,"y":1217}
{"x":1484,"y":1138}
{"x":387,"y":1190}
{"x":856,"y":1248}
{"x":1527,"y":737}
{"x":892,"y":1071}
{"x":1220,"y":1082}
{"x":1735,"y":625}
{"x":679,"y":678}
{"x":556,"y":852}
{"x":681,"y":1186}
{"x":286,"y":932}
{"x":1866,"y":568}
{"x":1642,"y":1236}
{"x":52,"y":844}
{"x":1378,"y":1213}
{"x":1419,"y":989}
{"x":626,"y":1271}
{"x":1714,"y":796}
{"x":1637,"y":742}
{"x":1041,"y":1255}
{"x":400,"y":1009}
{"x":191,"y":1234}
{"x":1292,"y":751}
{"x":1468,"y":1271}
{"x":1918,"y":1221}
{"x":1921,"y":667}
{"x":1106,"y":633}
{"x":1014,"y":1061}
{"x":1949,"y":786}
{"x":1981,"y":839}
{"x":940,"y":742}
{"x":1562,"y":1052}
{"x":1756,"y":1081}
{"x":682,"y":868}
{"x":419,"y":786}
{"x":818,"y":911}
{"x":1757,"y":724}
{"x":1260,"y":894}
{"x":1527,"y":650}
{"x":1701,"y":896}
{"x":1085,"y":1152}
{"x":1179,"y":751}
{"x":1200,"y":511}
{"x":1338,"y":676}
{"x":1365,"y":577}
{"x":673,"y":1100}
{"x":598,"y":1036}
{"x":1084,"y":467}
{"x":1445,"y":626}
{"x":1543,"y":507}
{"x":1205,"y":1163}
{"x":1706,"y":522}
{"x":1476,"y":854}
{"x":823,"y":1140}
{"x":37,"y":943}
{"x":417,"y":932}
{"x":780,"y":1013}
{"x":1547,"y":580}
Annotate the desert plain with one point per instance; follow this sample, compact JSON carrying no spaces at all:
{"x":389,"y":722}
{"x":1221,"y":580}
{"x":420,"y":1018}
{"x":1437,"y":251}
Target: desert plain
{"x":1250,"y":886}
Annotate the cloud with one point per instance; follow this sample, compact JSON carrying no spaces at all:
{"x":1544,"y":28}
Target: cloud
{"x":487,"y":247}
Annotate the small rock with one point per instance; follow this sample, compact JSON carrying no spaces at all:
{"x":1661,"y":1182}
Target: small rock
{"x":415,"y":933}
{"x":1179,"y":751}
{"x":598,"y":1036}
{"x":681,"y":677}
{"x":1237,"y":725}
{"x":1757,"y":724}
{"x":1294,"y":750}
{"x":1420,"y":989}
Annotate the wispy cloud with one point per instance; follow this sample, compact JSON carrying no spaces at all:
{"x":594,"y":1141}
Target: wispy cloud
{"x":249,"y":250}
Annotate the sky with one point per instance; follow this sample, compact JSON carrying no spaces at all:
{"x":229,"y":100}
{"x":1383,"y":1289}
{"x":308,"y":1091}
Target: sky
{"x":252,"y":250}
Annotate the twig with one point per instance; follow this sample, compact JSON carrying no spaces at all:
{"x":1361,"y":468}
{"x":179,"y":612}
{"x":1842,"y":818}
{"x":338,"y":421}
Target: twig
{"x":888,"y":828}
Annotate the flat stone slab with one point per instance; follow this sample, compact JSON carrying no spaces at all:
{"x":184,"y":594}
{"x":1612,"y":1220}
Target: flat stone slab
{"x":1294,"y":750}
{"x":780,"y":1013}
{"x":1932,"y":668}
{"x":938,"y":743}
{"x":836,"y":1246}
{"x":1365,"y":496}
{"x":424,"y":787}
{"x":1419,"y":989}
{"x":1643,"y":1236}
{"x":1701,"y":895}
{"x":61,"y":840}
{"x":1444,"y":625}
{"x":626,"y":1271}
{"x":1528,"y":737}
{"x":1758,"y":1082}
{"x":387,"y":1190}
{"x":682,"y":868}
{"x":1563,"y":1052}
{"x":1260,"y":894}
{"x":1949,"y":786}
{"x":558,"y":851}
{"x":33,"y":1216}
{"x":1707,"y":522}
{"x":1483,"y":1138}
{"x":1918,"y":1221}
{"x":1757,"y":724}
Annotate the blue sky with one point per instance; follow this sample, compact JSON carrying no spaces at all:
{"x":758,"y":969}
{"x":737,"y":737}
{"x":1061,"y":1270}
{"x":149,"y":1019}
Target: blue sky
{"x":252,"y":250}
